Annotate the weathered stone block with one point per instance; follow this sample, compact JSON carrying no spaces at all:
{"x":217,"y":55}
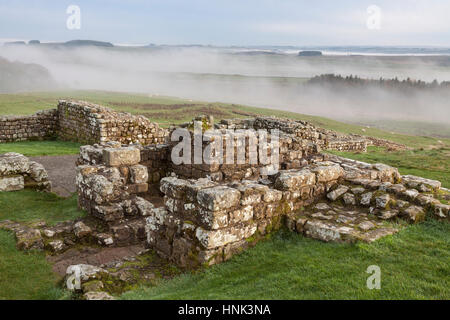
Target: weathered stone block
{"x":81,"y":230}
{"x":173,"y":187}
{"x":219,"y":238}
{"x":366,"y":198}
{"x":218,"y":198}
{"x":13,"y":163}
{"x":339,"y":191}
{"x":124,"y":156}
{"x":138,"y":174}
{"x":441,"y":211}
{"x":328,"y":171}
{"x":416,"y":182}
{"x":294,"y":179}
{"x":414,"y":214}
{"x":109,"y":213}
{"x":11,"y":183}
{"x":382,"y":201}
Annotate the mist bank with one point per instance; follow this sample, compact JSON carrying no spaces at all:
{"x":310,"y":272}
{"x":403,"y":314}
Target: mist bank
{"x":268,"y":80}
{"x":19,"y":77}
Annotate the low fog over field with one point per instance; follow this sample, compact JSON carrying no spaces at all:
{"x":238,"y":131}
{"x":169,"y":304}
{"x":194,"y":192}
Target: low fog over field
{"x":254,"y":77}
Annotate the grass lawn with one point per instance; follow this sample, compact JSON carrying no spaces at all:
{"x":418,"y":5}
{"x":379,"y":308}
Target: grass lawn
{"x":414,"y":265}
{"x":25,"y":275}
{"x":432,"y":164}
{"x":41,"y":148}
{"x":28,"y":205}
{"x":28,"y":275}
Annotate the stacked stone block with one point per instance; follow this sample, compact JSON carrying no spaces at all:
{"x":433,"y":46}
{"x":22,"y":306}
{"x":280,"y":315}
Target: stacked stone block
{"x":18,"y":172}
{"x":110,"y":193}
{"x":90,"y":123}
{"x":40,"y":126}
{"x":251,"y":167}
{"x":301,"y":131}
{"x":205,"y":222}
{"x":155,"y":157}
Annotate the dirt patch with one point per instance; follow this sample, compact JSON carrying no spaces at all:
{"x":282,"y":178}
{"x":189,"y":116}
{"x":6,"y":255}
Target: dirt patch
{"x":61,"y":171}
{"x":92,"y":256}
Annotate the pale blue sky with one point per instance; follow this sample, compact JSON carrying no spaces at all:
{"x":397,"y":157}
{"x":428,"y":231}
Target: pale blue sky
{"x":231,"y":22}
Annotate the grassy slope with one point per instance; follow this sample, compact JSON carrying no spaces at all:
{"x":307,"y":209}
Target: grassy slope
{"x":27,"y":275}
{"x":432,"y":164}
{"x":414,"y":265}
{"x":168,"y":110}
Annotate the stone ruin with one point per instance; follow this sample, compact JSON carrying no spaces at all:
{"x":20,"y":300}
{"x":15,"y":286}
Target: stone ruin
{"x":201,"y":214}
{"x":18,"y":172}
{"x":82,"y":122}
{"x":196,"y":214}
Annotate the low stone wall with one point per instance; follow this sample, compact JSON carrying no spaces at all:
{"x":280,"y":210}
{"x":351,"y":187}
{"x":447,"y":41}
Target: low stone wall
{"x":90,"y":123}
{"x":18,"y":172}
{"x":205,"y":222}
{"x":40,"y":126}
{"x":302,"y":131}
{"x":82,"y":122}
{"x":389,"y":145}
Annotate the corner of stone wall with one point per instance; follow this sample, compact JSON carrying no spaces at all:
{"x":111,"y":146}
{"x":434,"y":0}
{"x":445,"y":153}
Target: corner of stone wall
{"x":111,"y":193}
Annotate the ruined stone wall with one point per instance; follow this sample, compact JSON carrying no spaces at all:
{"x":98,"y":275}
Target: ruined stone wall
{"x":205,"y":222}
{"x":40,"y":126}
{"x":111,"y":193}
{"x":155,"y":157}
{"x":389,"y":145}
{"x":18,"y":172}
{"x":90,"y":123}
{"x":250,"y":159}
{"x":251,"y":165}
{"x":82,"y":122}
{"x":301,"y":131}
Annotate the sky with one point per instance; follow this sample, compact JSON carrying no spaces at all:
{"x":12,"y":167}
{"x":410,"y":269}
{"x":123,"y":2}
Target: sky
{"x":233,"y":22}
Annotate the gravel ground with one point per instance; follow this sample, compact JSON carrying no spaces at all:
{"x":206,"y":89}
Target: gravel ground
{"x":61,"y":171}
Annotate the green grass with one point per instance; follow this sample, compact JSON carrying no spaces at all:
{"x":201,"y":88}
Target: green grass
{"x":432,"y":164}
{"x":27,"y":205}
{"x":41,"y":148}
{"x":28,"y":275}
{"x":25,"y":275}
{"x":414,"y":265}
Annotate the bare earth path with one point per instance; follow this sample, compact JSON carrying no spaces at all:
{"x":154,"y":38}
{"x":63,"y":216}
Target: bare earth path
{"x":61,"y":171}
{"x":92,"y":256}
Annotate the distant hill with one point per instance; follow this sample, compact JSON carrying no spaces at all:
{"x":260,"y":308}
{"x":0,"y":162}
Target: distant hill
{"x":309,"y":53}
{"x":15,"y":43}
{"x":72,"y":43}
{"x":76,"y":43}
{"x":17,"y":77}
